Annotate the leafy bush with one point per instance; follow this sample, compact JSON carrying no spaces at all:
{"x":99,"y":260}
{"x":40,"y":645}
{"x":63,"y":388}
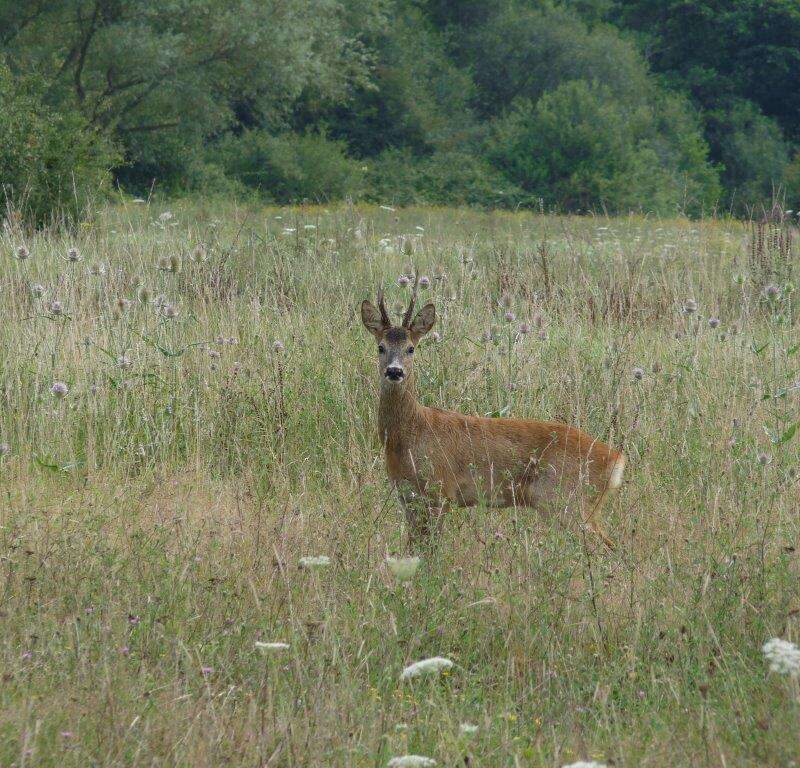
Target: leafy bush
{"x":580,"y":148}
{"x":289,"y":167}
{"x":454,"y":178}
{"x":753,"y":152}
{"x":52,"y":164}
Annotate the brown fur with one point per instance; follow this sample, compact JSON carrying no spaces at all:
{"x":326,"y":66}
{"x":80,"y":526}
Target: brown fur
{"x":445,"y":456}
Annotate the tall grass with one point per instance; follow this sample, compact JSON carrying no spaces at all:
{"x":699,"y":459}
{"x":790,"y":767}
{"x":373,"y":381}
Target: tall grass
{"x":153,"y":517}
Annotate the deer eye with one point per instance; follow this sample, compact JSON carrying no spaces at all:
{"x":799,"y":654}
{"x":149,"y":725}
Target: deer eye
{"x":381,"y":349}
{"x":410,"y":350}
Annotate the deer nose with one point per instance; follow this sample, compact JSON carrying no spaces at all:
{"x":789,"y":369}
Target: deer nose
{"x":395,"y":373}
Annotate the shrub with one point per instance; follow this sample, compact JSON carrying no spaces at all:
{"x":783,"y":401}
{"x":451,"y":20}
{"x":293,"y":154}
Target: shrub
{"x":579,"y":148}
{"x":290,"y":167}
{"x":444,"y":178}
{"x":52,"y":164}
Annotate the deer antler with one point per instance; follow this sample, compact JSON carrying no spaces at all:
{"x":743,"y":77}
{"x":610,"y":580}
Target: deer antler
{"x":382,"y":307}
{"x":410,"y":311}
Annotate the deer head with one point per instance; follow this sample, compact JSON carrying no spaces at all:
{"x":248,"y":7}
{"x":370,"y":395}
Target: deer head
{"x":396,"y":342}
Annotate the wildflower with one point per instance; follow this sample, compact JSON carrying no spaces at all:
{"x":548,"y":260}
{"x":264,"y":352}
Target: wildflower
{"x":525,"y":328}
{"x":411,"y":761}
{"x":73,"y":255}
{"x":206,"y":671}
{"x":67,"y":734}
{"x":435,"y":337}
{"x":23,"y":253}
{"x":59,"y":389}
{"x":166,"y":216}
{"x":5,"y":449}
{"x":772,"y":291}
{"x":125,"y":651}
{"x":403,"y":281}
{"x":403,"y":568}
{"x":277,"y":346}
{"x":170,"y":311}
{"x":782,"y":655}
{"x":314,"y":561}
{"x":509,"y":316}
{"x":764,"y":459}
{"x":272,"y":646}
{"x":37,"y":290}
{"x":55,"y":307}
{"x":690,"y":306}
{"x":713,"y":322}
{"x":213,"y":354}
{"x":430,"y":666}
{"x":637,"y":373}
{"x":467,"y":729}
{"x":124,"y":362}
{"x":487,"y":335}
{"x":424,"y":282}
{"x":585,"y":764}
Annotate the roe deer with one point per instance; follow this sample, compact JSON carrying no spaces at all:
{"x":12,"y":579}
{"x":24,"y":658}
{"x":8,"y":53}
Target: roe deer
{"x":441,"y":457}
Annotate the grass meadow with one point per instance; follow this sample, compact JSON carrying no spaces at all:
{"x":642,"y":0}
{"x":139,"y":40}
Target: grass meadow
{"x":188,"y":405}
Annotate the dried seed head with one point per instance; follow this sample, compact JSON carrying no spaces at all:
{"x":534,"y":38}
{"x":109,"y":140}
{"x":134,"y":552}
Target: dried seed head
{"x":59,"y":389}
{"x":656,"y":367}
{"x":509,"y":316}
{"x":199,"y":253}
{"x":213,"y":354}
{"x":277,"y":346}
{"x":5,"y":449}
{"x":713,"y":322}
{"x":123,"y":304}
{"x":434,"y":336}
{"x":23,"y":253}
{"x":144,"y":295}
{"x":170,"y":311}
{"x":690,"y":306}
{"x":73,"y":255}
{"x":37,"y":290}
{"x":98,"y":270}
{"x":175,"y":263}
{"x":124,"y":362}
{"x":487,"y":335}
{"x":505,"y":301}
{"x":637,"y":373}
{"x":764,"y":459}
{"x":55,"y":307}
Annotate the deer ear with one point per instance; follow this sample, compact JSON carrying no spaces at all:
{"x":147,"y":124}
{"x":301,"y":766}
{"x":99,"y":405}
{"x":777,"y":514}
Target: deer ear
{"x":372,"y":319}
{"x":423,"y":322}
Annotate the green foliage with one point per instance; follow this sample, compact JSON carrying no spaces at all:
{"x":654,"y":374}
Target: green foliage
{"x":52,"y":164}
{"x":396,"y":176}
{"x":578,"y":148}
{"x":753,"y":153}
{"x":290,"y":166}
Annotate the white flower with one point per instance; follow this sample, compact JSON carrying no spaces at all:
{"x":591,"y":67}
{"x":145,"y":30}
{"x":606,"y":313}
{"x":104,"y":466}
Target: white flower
{"x":585,"y":764}
{"x":314,"y":561}
{"x":468,"y":729}
{"x":272,"y":646}
{"x":403,"y":568}
{"x":411,"y":761}
{"x":426,"y":667}
{"x":166,"y":216}
{"x":783,"y":656}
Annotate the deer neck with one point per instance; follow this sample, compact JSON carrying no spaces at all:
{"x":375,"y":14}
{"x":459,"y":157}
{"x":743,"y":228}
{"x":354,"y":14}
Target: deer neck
{"x":397,"y":411}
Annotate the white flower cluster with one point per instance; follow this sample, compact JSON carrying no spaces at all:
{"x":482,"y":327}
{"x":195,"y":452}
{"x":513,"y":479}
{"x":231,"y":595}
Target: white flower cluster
{"x":426,"y":667}
{"x":411,"y":761}
{"x":314,"y":561}
{"x":783,"y":656}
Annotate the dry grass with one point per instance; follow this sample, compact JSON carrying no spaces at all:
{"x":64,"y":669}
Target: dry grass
{"x":152,"y":519}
